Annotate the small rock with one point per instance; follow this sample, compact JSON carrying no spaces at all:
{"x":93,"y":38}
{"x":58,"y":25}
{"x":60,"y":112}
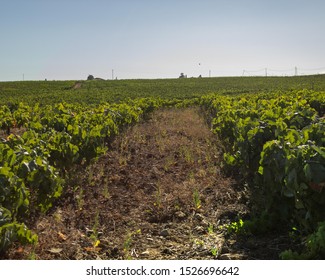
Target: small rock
{"x":155,"y":170}
{"x":200,"y":229}
{"x":225,"y":257}
{"x":180,"y":214}
{"x":199,"y":216}
{"x":55,"y":250}
{"x":146,"y":253}
{"x":164,"y":233}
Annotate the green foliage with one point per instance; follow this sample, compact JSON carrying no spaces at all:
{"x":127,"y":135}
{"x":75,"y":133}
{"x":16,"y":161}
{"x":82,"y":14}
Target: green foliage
{"x":237,"y":227}
{"x":196,"y":199}
{"x":33,"y":166}
{"x":276,"y":138}
{"x":314,"y":247}
{"x":96,"y":91}
{"x":12,"y":231}
{"x":276,"y":141}
{"x":256,"y":226}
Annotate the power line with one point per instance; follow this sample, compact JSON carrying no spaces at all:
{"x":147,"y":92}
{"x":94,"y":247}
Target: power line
{"x":314,"y":69}
{"x":291,"y":71}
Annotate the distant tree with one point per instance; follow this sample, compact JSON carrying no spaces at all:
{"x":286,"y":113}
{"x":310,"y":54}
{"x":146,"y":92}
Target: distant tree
{"x":90,"y":77}
{"x":182,"y":75}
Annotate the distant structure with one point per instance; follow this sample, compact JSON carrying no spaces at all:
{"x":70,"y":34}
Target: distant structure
{"x":182,"y":76}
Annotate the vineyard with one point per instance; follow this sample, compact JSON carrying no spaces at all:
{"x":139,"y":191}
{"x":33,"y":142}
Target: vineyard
{"x":78,"y":149}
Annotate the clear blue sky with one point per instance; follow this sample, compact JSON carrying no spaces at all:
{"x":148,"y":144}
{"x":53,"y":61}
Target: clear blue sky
{"x":69,"y":39}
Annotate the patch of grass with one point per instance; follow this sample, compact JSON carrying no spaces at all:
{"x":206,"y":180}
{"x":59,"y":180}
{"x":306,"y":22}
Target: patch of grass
{"x":105,"y":191}
{"x":79,"y":197}
{"x":169,"y":162}
{"x":214,"y":251}
{"x":187,"y":154}
{"x":158,"y":196}
{"x":210,"y":229}
{"x":128,"y":243}
{"x":91,"y":180}
{"x":95,"y":232}
{"x":196,"y":199}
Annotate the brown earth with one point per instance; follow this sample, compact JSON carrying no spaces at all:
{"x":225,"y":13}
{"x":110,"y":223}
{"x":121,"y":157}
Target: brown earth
{"x":158,"y":193}
{"x":77,"y":85}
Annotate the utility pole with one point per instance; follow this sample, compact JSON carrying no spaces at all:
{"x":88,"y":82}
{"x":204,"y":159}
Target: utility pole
{"x":112,"y":74}
{"x":296,"y":71}
{"x":265,"y":72}
{"x":243,"y":72}
{"x":209,"y":73}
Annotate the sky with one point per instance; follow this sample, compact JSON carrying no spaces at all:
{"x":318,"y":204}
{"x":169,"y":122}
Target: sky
{"x":128,"y":39}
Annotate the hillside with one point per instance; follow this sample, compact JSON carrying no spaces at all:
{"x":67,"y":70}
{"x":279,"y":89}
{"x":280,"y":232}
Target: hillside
{"x":94,"y":92}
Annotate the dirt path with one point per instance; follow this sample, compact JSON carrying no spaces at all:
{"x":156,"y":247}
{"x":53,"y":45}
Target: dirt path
{"x":157,"y":194}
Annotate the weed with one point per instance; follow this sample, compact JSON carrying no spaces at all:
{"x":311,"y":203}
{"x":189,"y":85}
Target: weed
{"x":106,"y":193}
{"x":122,"y":160}
{"x":236,"y":227}
{"x":57,"y":216}
{"x":210,"y":229}
{"x":214,"y":251}
{"x":196,"y":199}
{"x":161,"y":143}
{"x":101,"y":171}
{"x":80,"y":197}
{"x":191,"y":176}
{"x":124,"y":144}
{"x":188,"y":156}
{"x":199,"y":242}
{"x":158,"y":196}
{"x":128,"y":242}
{"x":95,"y":232}
{"x":314,"y":247}
{"x":32,"y":255}
{"x":169,"y":162}
{"x":91,"y":181}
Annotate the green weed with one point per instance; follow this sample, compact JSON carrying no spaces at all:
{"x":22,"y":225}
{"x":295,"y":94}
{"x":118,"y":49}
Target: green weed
{"x":196,"y":199}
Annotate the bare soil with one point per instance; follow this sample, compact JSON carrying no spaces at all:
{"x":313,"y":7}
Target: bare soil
{"x":158,"y":193}
{"x":77,"y":85}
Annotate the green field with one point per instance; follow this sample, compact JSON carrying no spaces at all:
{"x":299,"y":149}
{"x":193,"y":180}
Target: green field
{"x":94,"y":92}
{"x":270,"y":132}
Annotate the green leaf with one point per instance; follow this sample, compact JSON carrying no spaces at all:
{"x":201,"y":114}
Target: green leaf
{"x":319,"y":150}
{"x":230,"y":159}
{"x":5,"y":171}
{"x":23,"y":170}
{"x":260,"y":170}
{"x":5,"y":216}
{"x":307,"y":171}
